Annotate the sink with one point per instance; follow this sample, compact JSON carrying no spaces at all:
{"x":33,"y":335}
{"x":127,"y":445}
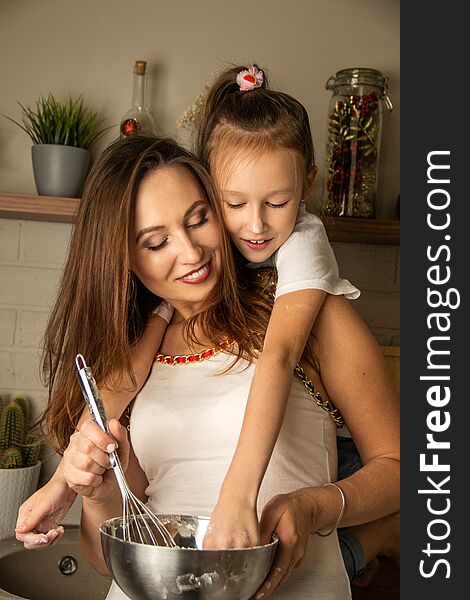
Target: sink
{"x":59,"y":572}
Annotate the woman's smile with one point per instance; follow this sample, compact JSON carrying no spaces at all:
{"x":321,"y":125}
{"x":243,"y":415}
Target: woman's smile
{"x":177,"y":238}
{"x":197,"y":275}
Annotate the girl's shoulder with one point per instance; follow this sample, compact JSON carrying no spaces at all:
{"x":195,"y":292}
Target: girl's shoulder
{"x":308,"y":236}
{"x":307,"y":221}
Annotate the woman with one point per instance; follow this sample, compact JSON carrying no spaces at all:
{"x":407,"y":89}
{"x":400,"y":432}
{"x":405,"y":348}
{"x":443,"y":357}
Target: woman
{"x":177,"y":250}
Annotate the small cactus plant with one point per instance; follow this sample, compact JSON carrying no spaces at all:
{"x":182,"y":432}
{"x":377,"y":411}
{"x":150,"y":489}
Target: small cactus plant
{"x":18,"y":447}
{"x":24,"y":404}
{"x":11,"y":459}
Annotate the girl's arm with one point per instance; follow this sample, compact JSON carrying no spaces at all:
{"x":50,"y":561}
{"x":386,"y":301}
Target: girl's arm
{"x":39,"y":517}
{"x":142,"y":356}
{"x":234,"y":522}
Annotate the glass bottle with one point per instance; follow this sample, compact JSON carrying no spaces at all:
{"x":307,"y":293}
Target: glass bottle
{"x":138,"y":118}
{"x":354,"y":134}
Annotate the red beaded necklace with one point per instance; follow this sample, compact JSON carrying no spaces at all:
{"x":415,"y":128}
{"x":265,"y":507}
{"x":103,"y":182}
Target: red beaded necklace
{"x":192,"y":358}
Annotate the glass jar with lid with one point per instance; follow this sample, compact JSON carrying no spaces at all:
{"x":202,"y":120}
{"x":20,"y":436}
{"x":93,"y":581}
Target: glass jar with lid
{"x":354,"y":134}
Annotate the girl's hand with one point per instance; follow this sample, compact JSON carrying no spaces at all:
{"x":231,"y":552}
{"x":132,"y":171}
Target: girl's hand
{"x":39,"y":517}
{"x":290,"y":516}
{"x":233,"y":524}
{"x":87,"y":469}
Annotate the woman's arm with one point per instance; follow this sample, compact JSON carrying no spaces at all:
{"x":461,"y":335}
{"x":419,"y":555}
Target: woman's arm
{"x":101,"y":497}
{"x":39,"y":517}
{"x":234,"y":522}
{"x":358,"y":382}
{"x":356,"y":378}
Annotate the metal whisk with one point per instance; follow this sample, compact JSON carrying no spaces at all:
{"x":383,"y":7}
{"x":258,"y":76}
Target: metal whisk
{"x":139,"y":524}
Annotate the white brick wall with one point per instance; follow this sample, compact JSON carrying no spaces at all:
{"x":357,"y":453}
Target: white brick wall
{"x":9,"y":241}
{"x":31,"y":260}
{"x":7,"y":327}
{"x":44,"y":244}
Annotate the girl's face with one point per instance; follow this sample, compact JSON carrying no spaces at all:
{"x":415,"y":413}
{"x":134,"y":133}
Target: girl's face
{"x":260,"y":198}
{"x":176,"y":251}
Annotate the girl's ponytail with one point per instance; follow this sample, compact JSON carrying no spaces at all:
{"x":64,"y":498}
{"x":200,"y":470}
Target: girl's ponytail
{"x":216,"y":105}
{"x":237,"y":116}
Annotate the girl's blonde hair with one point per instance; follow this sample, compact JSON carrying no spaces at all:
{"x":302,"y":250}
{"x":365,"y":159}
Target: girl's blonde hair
{"x":101,"y":307}
{"x":234,"y":121}
{"x":235,"y":124}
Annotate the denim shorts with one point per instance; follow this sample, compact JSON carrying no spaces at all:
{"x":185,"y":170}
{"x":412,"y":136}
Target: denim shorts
{"x":349,"y":462}
{"x":353,"y":554}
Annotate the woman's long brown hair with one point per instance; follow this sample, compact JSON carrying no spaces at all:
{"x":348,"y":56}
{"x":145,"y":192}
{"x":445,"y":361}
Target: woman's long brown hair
{"x":101,"y":307}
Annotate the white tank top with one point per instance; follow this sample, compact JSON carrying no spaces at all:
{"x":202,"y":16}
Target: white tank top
{"x":184,"y":428}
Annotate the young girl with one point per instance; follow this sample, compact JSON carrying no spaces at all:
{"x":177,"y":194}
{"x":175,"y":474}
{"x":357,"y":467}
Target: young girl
{"x":258,"y":145}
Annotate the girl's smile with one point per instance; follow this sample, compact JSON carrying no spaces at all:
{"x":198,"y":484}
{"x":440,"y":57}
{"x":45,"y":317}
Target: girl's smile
{"x":257,"y":245}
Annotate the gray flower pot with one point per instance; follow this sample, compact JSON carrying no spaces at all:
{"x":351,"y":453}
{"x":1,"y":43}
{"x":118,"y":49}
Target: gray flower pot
{"x":60,"y":170}
{"x":15,"y":486}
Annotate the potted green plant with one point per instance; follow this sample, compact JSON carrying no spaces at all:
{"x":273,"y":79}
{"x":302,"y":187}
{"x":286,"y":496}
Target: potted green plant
{"x":19,"y":460}
{"x":62,"y":134}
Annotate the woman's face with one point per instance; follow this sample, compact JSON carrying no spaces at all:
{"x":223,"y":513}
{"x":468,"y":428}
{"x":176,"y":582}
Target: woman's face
{"x":260,"y":198}
{"x":176,"y":239}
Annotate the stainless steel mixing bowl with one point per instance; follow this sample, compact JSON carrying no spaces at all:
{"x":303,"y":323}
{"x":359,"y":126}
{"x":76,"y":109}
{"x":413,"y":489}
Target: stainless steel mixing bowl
{"x":186,"y":572}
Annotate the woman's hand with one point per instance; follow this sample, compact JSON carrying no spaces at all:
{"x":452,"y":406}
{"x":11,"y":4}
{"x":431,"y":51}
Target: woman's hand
{"x":233,"y":524}
{"x":290,"y":516}
{"x":39,"y":517}
{"x":86,"y":465}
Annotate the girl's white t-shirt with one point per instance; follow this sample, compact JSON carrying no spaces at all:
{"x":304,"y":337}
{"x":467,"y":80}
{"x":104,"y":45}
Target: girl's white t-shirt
{"x":306,"y":261}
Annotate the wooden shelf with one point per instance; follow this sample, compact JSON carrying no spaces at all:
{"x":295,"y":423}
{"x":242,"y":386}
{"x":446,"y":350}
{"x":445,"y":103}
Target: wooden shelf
{"x":363,"y":231}
{"x":38,"y":208}
{"x":63,"y":210}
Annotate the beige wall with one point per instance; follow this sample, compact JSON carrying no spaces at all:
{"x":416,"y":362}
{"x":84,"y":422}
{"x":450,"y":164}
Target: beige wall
{"x":89,"y":47}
